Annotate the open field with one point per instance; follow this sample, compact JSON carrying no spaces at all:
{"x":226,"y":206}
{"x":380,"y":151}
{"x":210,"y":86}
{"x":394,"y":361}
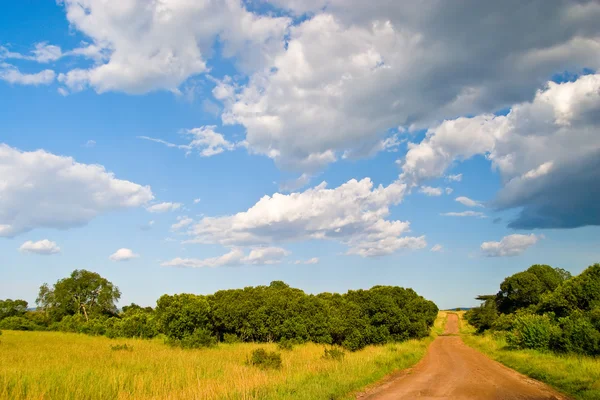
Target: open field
{"x":578,"y":376}
{"x":53,"y":365}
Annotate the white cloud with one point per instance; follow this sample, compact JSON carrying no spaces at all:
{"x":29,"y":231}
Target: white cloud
{"x":454,"y":178}
{"x":45,"y":247}
{"x":295,"y":184}
{"x":158,"y":45}
{"x":42,"y":53}
{"x":314,"y":260}
{"x":236,"y":257}
{"x":353,"y":214}
{"x":449,"y":190}
{"x":205,"y":141}
{"x":437,"y":248}
{"x":431,"y":191}
{"x":163,"y":207}
{"x":464,"y":214}
{"x":538,"y":149}
{"x":468,"y":202}
{"x":182,"y":222}
{"x":353,"y":71}
{"x":90,"y":144}
{"x":511,"y":245}
{"x":123,"y":255}
{"x":43,"y":190}
{"x":11,"y":74}
{"x":198,"y":200}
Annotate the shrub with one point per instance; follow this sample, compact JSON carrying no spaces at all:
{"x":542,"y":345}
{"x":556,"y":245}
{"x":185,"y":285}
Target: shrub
{"x":334,"y":354}
{"x":577,"y":335}
{"x":532,"y":332}
{"x":265,"y":359}
{"x":287,"y":344}
{"x":19,"y":324}
{"x":198,"y":339}
{"x":121,"y":347}
{"x":231,"y":338}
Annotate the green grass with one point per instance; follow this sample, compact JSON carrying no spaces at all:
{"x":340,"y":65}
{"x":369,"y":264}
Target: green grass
{"x":54,"y":365}
{"x":578,"y":376}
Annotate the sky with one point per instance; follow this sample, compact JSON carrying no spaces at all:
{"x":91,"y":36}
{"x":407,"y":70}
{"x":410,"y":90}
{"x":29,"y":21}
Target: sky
{"x":190,"y":146}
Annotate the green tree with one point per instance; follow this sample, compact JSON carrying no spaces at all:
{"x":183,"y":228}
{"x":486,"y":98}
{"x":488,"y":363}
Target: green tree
{"x":525,"y":289}
{"x":12,"y":308}
{"x":84,"y":292}
{"x":180,"y":315}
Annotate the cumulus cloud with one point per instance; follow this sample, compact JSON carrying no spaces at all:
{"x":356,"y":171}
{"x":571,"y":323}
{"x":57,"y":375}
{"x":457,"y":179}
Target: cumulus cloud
{"x":42,"y":53}
{"x":44,"y":247}
{"x":468,"y":202}
{"x":431,"y":191}
{"x":346,"y":77}
{"x":295,"y":184}
{"x":547,"y":152}
{"x":43,"y":190}
{"x":159,"y":45}
{"x":464,"y":214}
{"x":236,"y":257}
{"x":11,"y":74}
{"x":123,"y":255}
{"x":182,"y":222}
{"x":437,"y":248}
{"x":511,"y":245}
{"x":163,"y":207}
{"x":353,"y":214}
{"x":205,"y":141}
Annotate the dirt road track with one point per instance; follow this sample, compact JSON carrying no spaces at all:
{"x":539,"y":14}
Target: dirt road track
{"x":452,"y":370}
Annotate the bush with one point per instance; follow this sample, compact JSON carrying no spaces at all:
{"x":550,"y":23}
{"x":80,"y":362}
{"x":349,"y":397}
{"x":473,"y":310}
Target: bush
{"x":198,"y":339}
{"x":287,"y":344}
{"x":121,"y":347}
{"x":265,"y":359}
{"x":532,"y":332}
{"x":334,"y":354}
{"x":19,"y":324}
{"x":577,"y":335}
{"x":231,"y":338}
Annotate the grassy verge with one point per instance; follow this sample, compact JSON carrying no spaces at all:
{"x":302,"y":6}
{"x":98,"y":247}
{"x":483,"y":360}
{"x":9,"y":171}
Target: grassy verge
{"x":54,"y":365}
{"x":574,"y":375}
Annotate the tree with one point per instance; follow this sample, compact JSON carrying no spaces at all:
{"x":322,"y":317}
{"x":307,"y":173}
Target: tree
{"x":12,"y":308}
{"x":84,"y":292}
{"x":525,"y":289}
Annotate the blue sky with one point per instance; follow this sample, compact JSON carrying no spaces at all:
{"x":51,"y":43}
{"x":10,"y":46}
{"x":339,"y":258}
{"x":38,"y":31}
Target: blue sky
{"x":239,"y":100}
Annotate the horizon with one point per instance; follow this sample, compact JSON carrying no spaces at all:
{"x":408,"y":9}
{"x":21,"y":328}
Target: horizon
{"x":325,"y":144}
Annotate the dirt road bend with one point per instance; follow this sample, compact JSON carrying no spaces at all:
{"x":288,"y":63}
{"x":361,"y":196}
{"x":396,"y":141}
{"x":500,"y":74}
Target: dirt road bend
{"x":452,"y":370}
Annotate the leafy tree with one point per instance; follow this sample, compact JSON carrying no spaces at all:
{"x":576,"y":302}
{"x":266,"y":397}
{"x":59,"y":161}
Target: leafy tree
{"x":84,"y":292}
{"x":525,"y":289}
{"x":12,"y":308}
{"x":578,"y":293}
{"x":180,"y":315}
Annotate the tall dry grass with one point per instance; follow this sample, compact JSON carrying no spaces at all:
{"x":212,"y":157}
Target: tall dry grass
{"x":54,"y":365}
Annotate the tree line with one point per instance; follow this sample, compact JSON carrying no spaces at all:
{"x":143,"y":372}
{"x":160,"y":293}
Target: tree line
{"x":85,"y":302}
{"x":545,"y":308}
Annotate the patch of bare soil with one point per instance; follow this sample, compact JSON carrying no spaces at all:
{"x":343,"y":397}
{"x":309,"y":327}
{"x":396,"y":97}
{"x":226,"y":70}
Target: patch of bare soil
{"x":452,"y":370}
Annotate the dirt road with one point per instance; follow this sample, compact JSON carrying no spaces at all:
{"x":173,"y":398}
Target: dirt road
{"x":452,"y":370}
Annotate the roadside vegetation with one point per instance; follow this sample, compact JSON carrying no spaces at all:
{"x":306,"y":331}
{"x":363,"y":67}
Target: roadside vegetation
{"x":57,"y":365}
{"x":86,"y":303}
{"x":545,"y":324}
{"x":265,"y":342}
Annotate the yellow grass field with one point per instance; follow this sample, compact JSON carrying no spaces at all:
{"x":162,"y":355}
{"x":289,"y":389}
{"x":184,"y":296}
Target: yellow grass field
{"x":54,"y":365}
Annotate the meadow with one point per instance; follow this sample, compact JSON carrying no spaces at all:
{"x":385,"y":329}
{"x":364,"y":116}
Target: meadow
{"x":57,"y":365}
{"x":575,"y":375}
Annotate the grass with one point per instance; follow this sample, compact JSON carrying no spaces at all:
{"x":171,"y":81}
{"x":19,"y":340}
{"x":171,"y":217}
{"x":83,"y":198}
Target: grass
{"x":577,"y":376}
{"x":54,"y":365}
